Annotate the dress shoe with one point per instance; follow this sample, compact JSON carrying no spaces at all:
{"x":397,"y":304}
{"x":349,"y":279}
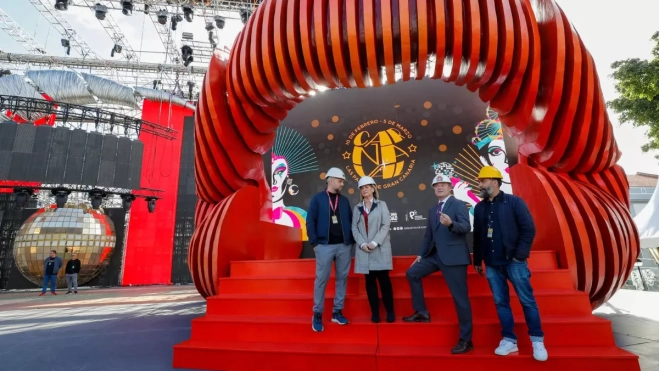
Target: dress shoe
{"x":375,"y":317}
{"x":463,"y":347}
{"x":391,"y":317}
{"x":417,"y":317}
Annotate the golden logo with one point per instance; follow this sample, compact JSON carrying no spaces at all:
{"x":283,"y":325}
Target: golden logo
{"x":380,"y":153}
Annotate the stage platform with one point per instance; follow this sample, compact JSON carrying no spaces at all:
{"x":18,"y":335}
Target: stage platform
{"x":135,"y":328}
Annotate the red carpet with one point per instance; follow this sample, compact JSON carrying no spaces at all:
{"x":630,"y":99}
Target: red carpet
{"x":261,"y":320}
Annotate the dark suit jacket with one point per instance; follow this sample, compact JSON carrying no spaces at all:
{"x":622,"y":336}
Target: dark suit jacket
{"x":451,"y":243}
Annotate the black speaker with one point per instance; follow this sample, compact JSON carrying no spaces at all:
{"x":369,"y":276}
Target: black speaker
{"x":108,"y":161}
{"x":7,"y":136}
{"x":40,"y":153}
{"x":135,"y":167}
{"x":122,"y":170}
{"x":92,"y":158}
{"x":75,"y":158}
{"x":57,"y":161}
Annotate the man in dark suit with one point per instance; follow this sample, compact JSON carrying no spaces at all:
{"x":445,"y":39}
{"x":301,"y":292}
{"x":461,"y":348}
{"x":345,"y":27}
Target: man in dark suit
{"x":445,"y":249}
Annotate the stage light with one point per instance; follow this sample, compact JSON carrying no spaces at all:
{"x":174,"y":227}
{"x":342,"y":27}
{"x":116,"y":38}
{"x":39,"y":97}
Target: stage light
{"x":127,"y":7}
{"x":146,"y":8}
{"x":65,"y":43}
{"x":5,"y":73}
{"x":96,"y":196}
{"x":116,"y":49}
{"x":188,"y":12}
{"x":244,"y":15}
{"x":151,"y":204}
{"x":62,"y":4}
{"x":101,"y":11}
{"x":219,"y":21}
{"x":21,"y":196}
{"x":162,"y":16}
{"x":61,"y":196}
{"x":186,"y":53}
{"x":210,"y":26}
{"x":127,"y":201}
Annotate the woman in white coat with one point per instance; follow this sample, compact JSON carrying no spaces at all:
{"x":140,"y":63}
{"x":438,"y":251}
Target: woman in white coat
{"x":370,"y":228}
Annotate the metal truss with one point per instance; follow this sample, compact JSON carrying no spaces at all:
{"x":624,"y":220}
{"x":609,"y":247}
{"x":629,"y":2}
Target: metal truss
{"x":124,"y":72}
{"x":64,"y":28}
{"x":112,"y":29}
{"x":165,"y":35}
{"x":83,"y":117}
{"x":12,"y":28}
{"x":141,"y":193}
{"x":200,"y":7}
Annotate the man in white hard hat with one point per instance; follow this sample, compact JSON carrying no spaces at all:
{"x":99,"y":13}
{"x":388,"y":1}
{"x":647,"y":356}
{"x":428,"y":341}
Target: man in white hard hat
{"x":445,"y":249}
{"x":329,"y":227}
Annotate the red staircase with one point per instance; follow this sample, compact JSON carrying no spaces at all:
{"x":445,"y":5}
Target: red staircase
{"x":261,"y":320}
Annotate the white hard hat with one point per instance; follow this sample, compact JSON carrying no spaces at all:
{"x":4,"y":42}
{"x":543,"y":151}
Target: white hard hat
{"x":441,"y":178}
{"x":335,"y":172}
{"x":365,"y":180}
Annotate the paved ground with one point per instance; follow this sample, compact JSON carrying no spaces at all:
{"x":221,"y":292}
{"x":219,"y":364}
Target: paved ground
{"x":134,"y":329}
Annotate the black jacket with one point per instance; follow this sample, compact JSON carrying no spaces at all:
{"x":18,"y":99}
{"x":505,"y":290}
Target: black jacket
{"x":72,"y":266}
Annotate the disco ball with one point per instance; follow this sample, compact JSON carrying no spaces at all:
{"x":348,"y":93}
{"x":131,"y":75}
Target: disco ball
{"x":71,"y":229}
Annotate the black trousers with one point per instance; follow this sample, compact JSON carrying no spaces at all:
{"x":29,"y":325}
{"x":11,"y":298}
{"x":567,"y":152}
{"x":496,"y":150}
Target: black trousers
{"x":385,"y":288}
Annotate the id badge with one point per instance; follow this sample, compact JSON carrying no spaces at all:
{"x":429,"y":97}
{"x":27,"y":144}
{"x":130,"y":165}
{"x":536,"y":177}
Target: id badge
{"x":489,"y":232}
{"x":335,"y":220}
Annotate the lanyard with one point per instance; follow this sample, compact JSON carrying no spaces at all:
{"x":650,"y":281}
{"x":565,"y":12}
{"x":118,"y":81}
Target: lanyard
{"x":333,"y":207}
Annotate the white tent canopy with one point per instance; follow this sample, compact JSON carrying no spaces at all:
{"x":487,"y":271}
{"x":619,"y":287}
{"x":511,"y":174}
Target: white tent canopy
{"x":647,"y":222}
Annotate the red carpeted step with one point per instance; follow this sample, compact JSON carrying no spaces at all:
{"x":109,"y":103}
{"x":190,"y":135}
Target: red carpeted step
{"x":570,"y":358}
{"x":542,"y":279}
{"x":551,"y":303}
{"x":559,"y":331}
{"x":281,"y":330}
{"x":264,"y":356}
{"x":539,"y":260}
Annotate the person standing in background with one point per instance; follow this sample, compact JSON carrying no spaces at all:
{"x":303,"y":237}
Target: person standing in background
{"x":51,"y":266}
{"x":72,"y":269}
{"x":370,"y":228}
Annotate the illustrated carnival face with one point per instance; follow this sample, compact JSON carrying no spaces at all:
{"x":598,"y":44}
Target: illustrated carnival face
{"x":279,"y":177}
{"x":490,"y":145}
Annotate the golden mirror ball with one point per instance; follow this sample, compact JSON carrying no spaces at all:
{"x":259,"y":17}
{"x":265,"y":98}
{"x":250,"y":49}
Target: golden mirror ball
{"x":71,"y":229}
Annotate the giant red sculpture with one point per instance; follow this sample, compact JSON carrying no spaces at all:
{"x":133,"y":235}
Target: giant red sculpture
{"x":521,"y":56}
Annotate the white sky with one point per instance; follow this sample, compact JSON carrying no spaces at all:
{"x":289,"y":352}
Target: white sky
{"x":610,"y":30}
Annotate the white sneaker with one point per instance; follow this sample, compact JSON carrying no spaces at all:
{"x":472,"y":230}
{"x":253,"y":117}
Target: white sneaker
{"x":506,"y":347}
{"x":539,"y":351}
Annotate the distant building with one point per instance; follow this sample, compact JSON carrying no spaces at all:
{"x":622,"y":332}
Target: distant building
{"x":641,"y":187}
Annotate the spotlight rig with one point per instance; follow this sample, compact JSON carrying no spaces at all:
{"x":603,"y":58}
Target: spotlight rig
{"x":127,"y":7}
{"x":116,"y":49}
{"x":100,"y":11}
{"x":62,"y":4}
{"x":24,"y":191}
{"x":219,"y":21}
{"x":67,"y":44}
{"x":61,"y":196}
{"x":162,"y":16}
{"x":188,"y":12}
{"x":244,"y":15}
{"x":186,"y":53}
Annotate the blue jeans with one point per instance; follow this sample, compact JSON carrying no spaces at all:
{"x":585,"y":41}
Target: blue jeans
{"x":519,"y":275}
{"x":53,"y":281}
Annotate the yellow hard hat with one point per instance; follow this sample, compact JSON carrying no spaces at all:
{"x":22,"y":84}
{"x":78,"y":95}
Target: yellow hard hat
{"x":490,"y":172}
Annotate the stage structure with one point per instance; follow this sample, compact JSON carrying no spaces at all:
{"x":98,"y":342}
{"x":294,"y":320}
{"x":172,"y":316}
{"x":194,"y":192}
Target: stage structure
{"x":522,"y":58}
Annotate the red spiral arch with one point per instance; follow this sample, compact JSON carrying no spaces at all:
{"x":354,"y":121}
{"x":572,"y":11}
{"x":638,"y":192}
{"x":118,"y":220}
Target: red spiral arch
{"x":521,"y":56}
